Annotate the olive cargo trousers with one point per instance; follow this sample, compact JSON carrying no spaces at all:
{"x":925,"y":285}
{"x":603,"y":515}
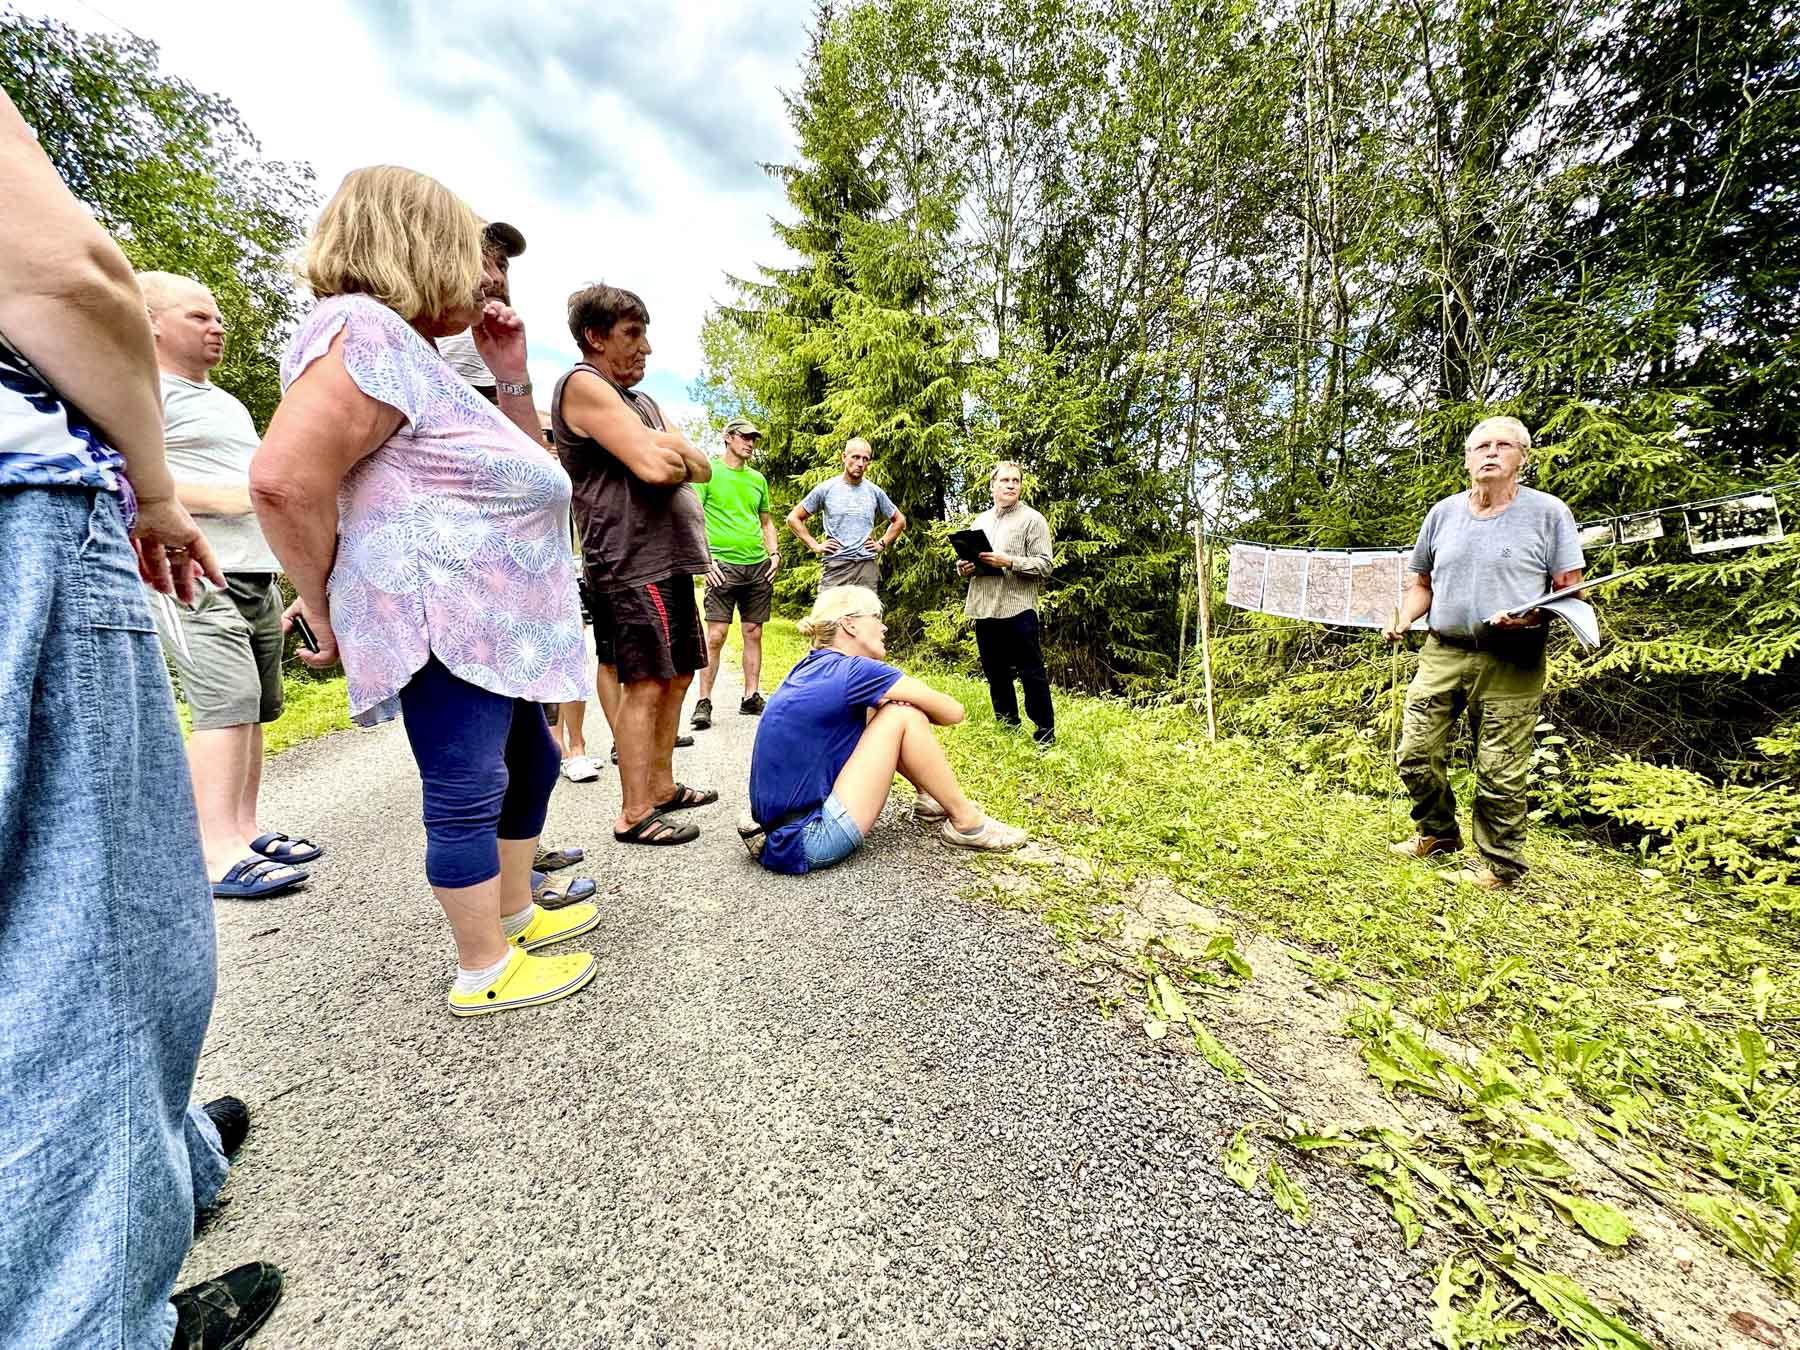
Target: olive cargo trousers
{"x":1501,"y":696}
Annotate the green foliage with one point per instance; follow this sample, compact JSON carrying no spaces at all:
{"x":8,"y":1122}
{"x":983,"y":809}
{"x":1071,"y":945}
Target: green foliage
{"x":175,"y":176}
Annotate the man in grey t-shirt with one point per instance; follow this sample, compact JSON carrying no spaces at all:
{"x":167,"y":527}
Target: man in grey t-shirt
{"x":1482,"y":552}
{"x":851,"y":505}
{"x":227,"y":646}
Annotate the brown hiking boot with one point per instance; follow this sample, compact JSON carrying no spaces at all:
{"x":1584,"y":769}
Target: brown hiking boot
{"x":1477,"y":875}
{"x":1425,"y":846}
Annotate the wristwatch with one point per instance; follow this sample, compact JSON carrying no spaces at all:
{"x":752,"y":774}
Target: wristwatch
{"x":516,"y":390}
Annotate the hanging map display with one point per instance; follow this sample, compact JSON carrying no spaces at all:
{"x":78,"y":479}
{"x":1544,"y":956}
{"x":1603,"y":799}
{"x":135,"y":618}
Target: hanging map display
{"x":1284,"y":591}
{"x":1738,"y":523}
{"x":1375,"y":584}
{"x":1327,"y":588}
{"x":1244,"y":583}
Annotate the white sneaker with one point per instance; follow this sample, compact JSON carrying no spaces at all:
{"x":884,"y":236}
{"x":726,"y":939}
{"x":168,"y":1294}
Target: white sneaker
{"x":580,"y":769}
{"x":993,"y":836}
{"x":928,"y":810}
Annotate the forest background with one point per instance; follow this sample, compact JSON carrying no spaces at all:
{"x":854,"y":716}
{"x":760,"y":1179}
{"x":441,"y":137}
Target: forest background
{"x":1259,"y":267}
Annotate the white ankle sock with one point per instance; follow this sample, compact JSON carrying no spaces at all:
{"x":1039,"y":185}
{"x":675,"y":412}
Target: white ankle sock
{"x":474,"y":981}
{"x":514,"y":924}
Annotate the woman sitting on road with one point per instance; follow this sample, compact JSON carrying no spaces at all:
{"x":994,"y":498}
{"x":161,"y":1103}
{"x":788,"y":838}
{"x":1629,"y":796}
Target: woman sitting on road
{"x":832,"y":738}
{"x":425,"y":532}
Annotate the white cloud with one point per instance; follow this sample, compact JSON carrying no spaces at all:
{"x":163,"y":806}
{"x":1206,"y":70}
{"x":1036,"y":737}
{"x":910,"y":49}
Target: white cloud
{"x":624,"y":144}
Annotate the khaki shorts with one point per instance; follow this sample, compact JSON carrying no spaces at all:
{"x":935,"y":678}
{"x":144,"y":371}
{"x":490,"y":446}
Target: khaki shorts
{"x":227,"y":649}
{"x":850,"y":572}
{"x":747,"y":589}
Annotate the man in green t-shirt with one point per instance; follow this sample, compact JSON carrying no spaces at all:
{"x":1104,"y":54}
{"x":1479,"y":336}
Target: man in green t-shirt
{"x":741,"y":533}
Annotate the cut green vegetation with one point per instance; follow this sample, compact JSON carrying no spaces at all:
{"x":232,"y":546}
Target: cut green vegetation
{"x":1610,"y":997}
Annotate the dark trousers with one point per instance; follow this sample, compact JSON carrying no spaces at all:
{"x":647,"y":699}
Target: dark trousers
{"x":1013,"y":649}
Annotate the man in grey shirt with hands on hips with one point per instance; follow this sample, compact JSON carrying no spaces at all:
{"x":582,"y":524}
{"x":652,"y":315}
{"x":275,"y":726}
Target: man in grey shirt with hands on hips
{"x":227,"y":646}
{"x":1481,"y":552}
{"x":851,"y":506}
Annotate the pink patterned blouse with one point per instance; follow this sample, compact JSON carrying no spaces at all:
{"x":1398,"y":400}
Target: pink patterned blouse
{"x":453,"y":536}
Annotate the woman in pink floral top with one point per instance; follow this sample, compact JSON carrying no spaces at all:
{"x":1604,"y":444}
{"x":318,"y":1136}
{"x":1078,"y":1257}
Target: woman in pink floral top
{"x":426,"y":533}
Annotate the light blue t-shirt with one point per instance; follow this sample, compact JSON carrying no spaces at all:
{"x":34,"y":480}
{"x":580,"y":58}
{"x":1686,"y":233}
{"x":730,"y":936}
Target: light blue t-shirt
{"x":850,"y":513}
{"x":1479,"y":567}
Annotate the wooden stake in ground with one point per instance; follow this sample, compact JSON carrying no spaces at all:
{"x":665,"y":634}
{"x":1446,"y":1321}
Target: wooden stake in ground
{"x":1201,"y":588}
{"x":1394,"y":731}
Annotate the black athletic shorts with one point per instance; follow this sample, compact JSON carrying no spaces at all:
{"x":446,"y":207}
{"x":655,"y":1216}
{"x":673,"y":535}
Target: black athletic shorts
{"x":747,"y":589}
{"x":649,"y":632}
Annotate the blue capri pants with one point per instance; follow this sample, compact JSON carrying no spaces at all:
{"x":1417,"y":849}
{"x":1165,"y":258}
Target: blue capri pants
{"x":487,"y":764}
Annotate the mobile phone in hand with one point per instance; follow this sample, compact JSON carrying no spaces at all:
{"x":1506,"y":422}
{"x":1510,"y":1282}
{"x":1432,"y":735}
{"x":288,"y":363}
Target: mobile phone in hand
{"x":304,"y":629}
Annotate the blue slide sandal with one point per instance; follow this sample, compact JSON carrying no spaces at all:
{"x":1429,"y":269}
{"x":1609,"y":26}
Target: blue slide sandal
{"x":256,"y":879}
{"x":285,"y":848}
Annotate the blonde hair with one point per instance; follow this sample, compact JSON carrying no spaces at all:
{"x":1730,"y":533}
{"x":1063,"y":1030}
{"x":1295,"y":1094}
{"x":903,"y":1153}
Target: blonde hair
{"x":165,"y":290}
{"x":1510,"y":424}
{"x":834,"y":605}
{"x":400,"y":238}
{"x":858,"y":443}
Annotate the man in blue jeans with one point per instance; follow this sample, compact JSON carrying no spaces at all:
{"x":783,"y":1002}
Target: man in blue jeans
{"x":1004,"y":603}
{"x":106,"y":933}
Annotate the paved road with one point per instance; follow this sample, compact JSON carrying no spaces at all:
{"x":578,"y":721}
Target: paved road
{"x":850,"y":1109}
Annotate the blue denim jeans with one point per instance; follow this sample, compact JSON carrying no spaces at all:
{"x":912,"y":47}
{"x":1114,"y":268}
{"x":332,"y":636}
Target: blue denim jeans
{"x":106,"y":941}
{"x":831,"y":834}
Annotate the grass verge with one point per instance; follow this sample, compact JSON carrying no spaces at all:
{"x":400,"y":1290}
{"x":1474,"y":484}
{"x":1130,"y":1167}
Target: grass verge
{"x":1601,"y":998}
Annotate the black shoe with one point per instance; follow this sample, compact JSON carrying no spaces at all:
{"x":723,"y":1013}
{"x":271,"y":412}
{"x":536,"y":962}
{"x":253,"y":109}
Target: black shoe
{"x":683,"y":742}
{"x":703,"y":714}
{"x":1045,"y":736}
{"x":225,"y":1313}
{"x":231,"y":1118}
{"x":752,"y":706}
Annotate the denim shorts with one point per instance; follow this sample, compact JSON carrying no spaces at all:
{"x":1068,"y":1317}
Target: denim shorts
{"x":829,"y":835}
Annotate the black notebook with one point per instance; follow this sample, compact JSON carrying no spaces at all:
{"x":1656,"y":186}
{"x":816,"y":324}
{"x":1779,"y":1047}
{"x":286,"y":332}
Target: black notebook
{"x":969,"y":546}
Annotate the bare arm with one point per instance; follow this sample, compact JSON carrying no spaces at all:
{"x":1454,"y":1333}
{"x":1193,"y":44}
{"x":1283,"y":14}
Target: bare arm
{"x":940,"y":708}
{"x":323,"y":427}
{"x":213,"y":499}
{"x":771,"y":543}
{"x":796,"y":521}
{"x":593,"y":408}
{"x":1559,"y":581}
{"x":896,"y":523}
{"x":71,"y":306}
{"x":699,"y":467}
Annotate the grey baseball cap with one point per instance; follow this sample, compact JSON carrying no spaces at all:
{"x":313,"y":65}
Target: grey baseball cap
{"x":743,"y":426}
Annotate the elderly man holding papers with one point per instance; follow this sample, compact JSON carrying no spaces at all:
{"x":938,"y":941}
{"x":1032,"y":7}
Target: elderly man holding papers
{"x":1495,"y":547}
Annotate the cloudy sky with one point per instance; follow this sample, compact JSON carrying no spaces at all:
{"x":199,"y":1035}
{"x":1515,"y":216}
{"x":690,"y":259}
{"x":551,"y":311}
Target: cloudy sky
{"x":624,"y":141}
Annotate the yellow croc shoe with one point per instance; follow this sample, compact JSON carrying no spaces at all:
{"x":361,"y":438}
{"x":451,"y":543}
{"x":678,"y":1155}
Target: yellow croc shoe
{"x":526,"y":982}
{"x":557,"y":925}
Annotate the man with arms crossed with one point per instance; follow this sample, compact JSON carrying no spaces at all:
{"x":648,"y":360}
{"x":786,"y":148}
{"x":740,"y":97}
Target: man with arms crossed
{"x":741,"y":533}
{"x":227,"y":645}
{"x":1007,"y":631}
{"x":643,"y":539}
{"x":851,"y":506}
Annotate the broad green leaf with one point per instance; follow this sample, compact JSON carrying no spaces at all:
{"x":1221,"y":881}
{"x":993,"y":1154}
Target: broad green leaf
{"x":1289,"y":1198}
{"x":1240,"y":1160}
{"x":1215,"y":1053}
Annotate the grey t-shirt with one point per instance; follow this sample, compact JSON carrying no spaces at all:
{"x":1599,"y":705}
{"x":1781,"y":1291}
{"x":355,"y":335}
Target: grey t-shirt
{"x":209,"y":439}
{"x":458,"y":351}
{"x":850,"y":514}
{"x":1479,"y":567}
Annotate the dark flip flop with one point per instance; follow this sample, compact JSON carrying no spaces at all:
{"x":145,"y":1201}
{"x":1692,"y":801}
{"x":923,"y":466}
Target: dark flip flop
{"x":552,"y":897}
{"x":285,"y":848}
{"x":255,"y":879}
{"x":682,"y":802}
{"x":645,"y":831}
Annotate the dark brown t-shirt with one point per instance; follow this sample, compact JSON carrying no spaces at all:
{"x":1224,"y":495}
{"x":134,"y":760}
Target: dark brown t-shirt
{"x":632,"y":532}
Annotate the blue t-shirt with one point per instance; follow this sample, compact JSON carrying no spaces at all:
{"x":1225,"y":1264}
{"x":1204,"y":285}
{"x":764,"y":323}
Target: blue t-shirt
{"x":803,"y":740}
{"x":850,"y":514}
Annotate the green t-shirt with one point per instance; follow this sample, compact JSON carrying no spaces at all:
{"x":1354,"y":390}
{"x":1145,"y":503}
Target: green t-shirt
{"x":736,"y":500}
